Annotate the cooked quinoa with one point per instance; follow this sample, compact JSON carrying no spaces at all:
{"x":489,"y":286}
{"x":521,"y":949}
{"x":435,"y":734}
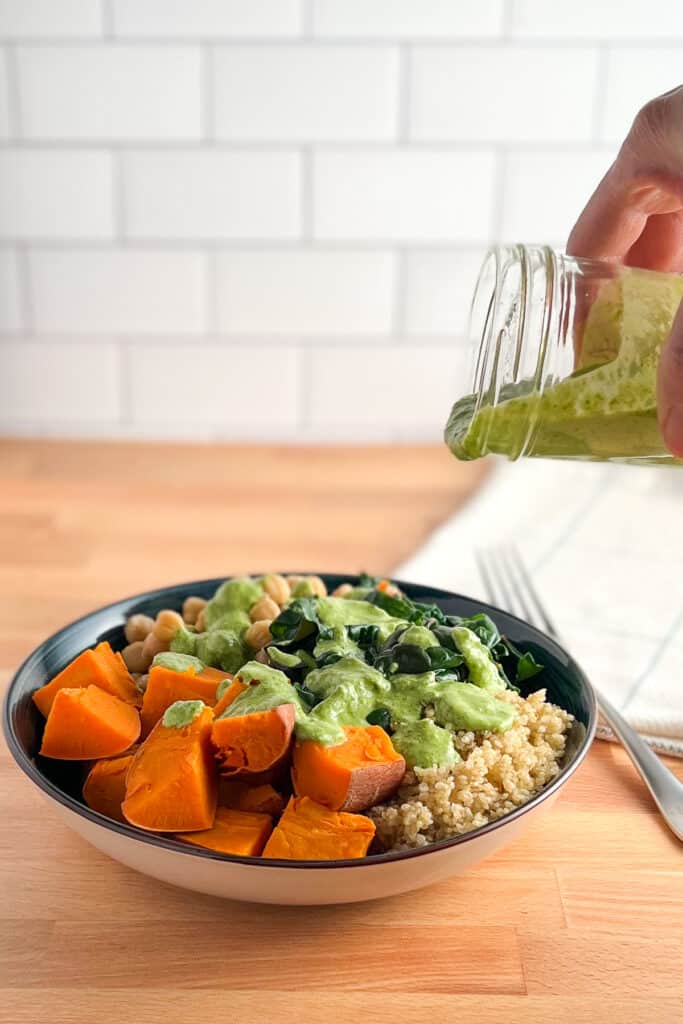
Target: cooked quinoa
{"x":498,"y":772}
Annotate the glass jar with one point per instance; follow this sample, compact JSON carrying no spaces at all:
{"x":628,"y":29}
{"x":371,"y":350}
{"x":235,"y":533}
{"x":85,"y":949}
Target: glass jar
{"x":566,"y":354}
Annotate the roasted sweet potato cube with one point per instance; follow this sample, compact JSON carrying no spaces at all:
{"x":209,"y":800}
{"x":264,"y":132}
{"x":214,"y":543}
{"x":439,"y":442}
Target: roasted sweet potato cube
{"x":309,"y":831}
{"x":238,"y":832}
{"x":352,"y":776}
{"x":87,"y":723}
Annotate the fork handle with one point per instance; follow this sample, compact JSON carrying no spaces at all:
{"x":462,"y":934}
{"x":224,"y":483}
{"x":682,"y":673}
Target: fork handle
{"x":666,"y":790}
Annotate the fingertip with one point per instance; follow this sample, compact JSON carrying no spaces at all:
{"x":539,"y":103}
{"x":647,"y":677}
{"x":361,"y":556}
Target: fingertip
{"x":672,"y":430}
{"x":670,"y":388}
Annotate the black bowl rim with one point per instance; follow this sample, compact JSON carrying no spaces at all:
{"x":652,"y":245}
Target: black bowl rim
{"x":161,"y":841}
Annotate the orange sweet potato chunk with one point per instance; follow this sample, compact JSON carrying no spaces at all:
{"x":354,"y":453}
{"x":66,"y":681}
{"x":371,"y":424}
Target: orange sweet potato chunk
{"x":355,"y":775}
{"x":105,"y":787}
{"x":231,"y":692}
{"x":171,"y":784}
{"x":248,"y":745}
{"x":88,"y":723}
{"x":97,"y":667}
{"x":236,"y":832}
{"x":242,"y":797}
{"x":309,"y":831}
{"x":165,"y":687}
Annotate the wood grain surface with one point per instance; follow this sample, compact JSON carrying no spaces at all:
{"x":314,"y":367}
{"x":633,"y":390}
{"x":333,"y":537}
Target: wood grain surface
{"x":579,"y":920}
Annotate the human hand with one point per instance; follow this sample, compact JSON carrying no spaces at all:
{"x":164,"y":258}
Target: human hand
{"x":635,"y":217}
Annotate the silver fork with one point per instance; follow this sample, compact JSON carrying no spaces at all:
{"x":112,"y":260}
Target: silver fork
{"x":507,"y":584}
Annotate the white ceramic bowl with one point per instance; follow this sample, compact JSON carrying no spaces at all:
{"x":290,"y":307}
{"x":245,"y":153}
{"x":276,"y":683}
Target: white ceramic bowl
{"x":279,"y":881}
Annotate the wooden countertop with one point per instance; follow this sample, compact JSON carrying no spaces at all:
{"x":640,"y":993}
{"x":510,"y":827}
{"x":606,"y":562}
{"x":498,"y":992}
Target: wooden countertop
{"x":580,"y":919}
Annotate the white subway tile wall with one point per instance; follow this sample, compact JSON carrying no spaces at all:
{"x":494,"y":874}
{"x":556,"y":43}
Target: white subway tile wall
{"x":544,"y":190}
{"x":208,"y":194}
{"x":281,"y":206}
{"x":606,"y":20}
{"x":64,"y":381}
{"x":109,"y":92}
{"x":406,"y":195}
{"x":407,"y":19}
{"x":305,"y":291}
{"x":363,"y":387}
{"x":50,"y":193}
{"x":502,"y":93}
{"x":225,"y":404}
{"x":438,"y":288}
{"x":188,"y":19}
{"x":305,"y":93}
{"x":117,"y":291}
{"x":36,"y":19}
{"x":662,"y":66}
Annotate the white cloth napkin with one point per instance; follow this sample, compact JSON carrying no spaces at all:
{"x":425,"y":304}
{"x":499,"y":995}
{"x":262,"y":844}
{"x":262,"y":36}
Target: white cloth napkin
{"x":604,"y":544}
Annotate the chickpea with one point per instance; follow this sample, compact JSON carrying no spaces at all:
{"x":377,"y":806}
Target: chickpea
{"x":342,"y":590}
{"x":262,"y":657}
{"x":258,"y":634}
{"x":152,"y":646}
{"x":141,"y":682}
{"x":138,"y":627}
{"x":200,"y":624}
{"x":317,"y":587}
{"x":133,"y":656}
{"x":192,"y":606}
{"x":278,"y":588}
{"x":167,"y":625}
{"x":265,"y":608}
{"x":294,"y":581}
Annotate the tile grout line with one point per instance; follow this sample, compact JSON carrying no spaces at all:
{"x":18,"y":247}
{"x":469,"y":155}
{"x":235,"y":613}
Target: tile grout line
{"x":344,"y":146}
{"x":268,"y":245}
{"x":118,"y":191}
{"x":123,"y":368}
{"x":398,"y":311}
{"x":107,"y":20}
{"x":500,"y":169}
{"x":307,"y":195}
{"x":508,"y":22}
{"x":13,"y":96}
{"x":25,"y":290}
{"x":305,"y":381}
{"x":214,"y":336}
{"x":307,"y":12}
{"x":211,"y":302}
{"x":403,"y":103}
{"x":434,"y":42}
{"x":207,"y":112}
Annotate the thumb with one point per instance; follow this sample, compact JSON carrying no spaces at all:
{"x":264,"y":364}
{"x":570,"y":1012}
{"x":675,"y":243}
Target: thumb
{"x":670,"y":388}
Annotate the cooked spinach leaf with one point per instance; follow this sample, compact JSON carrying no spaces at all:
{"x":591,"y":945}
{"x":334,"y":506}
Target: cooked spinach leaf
{"x":442,"y":658}
{"x":404,"y":659}
{"x":297,"y":621}
{"x":480,"y":624}
{"x":402,"y":607}
{"x":381,"y":717}
{"x":309,"y":698}
{"x":527,"y":667}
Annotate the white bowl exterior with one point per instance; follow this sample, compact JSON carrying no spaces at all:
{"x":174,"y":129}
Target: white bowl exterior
{"x":297,"y":886}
